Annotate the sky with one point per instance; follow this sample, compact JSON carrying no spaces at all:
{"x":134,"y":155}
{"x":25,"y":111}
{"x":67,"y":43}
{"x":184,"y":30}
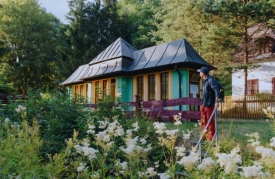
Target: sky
{"x":59,"y":8}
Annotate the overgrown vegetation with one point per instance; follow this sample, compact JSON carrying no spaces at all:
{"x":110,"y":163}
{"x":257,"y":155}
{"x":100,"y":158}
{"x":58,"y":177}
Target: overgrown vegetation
{"x":52,"y":136}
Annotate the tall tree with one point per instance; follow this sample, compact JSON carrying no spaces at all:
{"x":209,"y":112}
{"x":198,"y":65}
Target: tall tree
{"x":29,"y":40}
{"x":186,"y":19}
{"x":139,"y":17}
{"x":92,"y":27}
{"x":242,"y":15}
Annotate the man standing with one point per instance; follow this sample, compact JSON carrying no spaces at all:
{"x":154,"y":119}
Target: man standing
{"x":210,"y":100}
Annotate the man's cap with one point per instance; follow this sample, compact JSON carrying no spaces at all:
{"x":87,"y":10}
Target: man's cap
{"x":204,"y":70}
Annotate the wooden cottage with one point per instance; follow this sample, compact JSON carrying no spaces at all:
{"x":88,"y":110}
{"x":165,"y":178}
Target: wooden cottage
{"x":162,"y":72}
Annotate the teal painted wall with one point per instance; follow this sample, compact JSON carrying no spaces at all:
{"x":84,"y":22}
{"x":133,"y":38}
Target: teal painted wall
{"x":184,"y":87}
{"x":125,"y":88}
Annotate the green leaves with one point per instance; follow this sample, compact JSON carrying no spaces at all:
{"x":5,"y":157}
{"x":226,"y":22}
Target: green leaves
{"x":28,"y":35}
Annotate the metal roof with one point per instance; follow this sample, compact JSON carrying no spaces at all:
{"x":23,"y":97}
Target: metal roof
{"x":77,"y":75}
{"x":120,"y":56}
{"x":119,"y":48}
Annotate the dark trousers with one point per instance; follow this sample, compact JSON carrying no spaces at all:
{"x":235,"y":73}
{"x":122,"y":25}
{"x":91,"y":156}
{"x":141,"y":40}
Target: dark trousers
{"x":205,"y":115}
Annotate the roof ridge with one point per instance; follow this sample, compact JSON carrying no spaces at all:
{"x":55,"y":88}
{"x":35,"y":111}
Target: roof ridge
{"x":118,"y":48}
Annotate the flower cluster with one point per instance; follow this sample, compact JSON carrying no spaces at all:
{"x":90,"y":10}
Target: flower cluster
{"x":230,"y":161}
{"x":20,"y":108}
{"x":177,"y":119}
{"x":270,"y":111}
{"x":87,"y":151}
{"x":207,"y":165}
{"x":254,"y":171}
{"x":189,"y":161}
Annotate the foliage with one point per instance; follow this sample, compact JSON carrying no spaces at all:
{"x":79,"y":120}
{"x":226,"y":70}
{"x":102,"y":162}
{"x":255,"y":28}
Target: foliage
{"x":242,"y":15}
{"x":118,"y":147}
{"x":92,"y":27}
{"x":57,"y":115}
{"x":28,"y":36}
{"x":138,"y":15}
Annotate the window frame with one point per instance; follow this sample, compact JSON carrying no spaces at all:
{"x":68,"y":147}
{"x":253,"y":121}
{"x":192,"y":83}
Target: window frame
{"x":105,"y":83}
{"x":87,"y":90}
{"x":140,"y":86}
{"x":81,"y":90}
{"x":97,"y":91}
{"x":252,"y":86}
{"x":151,"y":87}
{"x":164,"y":86}
{"x":113,"y":88}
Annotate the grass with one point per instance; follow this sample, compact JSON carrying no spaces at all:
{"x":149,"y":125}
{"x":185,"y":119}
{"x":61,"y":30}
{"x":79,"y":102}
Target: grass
{"x":235,"y":129}
{"x":238,"y":129}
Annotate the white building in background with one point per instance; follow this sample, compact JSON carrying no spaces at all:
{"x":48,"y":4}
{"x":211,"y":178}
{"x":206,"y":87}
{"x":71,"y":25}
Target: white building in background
{"x":259,"y":80}
{"x":261,"y":53}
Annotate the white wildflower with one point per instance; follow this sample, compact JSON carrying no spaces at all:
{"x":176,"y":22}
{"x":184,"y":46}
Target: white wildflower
{"x":143,"y":141}
{"x":186,"y":136}
{"x":151,"y":172}
{"x":272,"y":144}
{"x":129,"y":133}
{"x":106,"y":138}
{"x":180,"y":151}
{"x":119,"y":132}
{"x":171,"y":132}
{"x":80,"y":168}
{"x":129,"y":149}
{"x":89,"y":152}
{"x":141,"y":174}
{"x":189,"y":161}
{"x":163,"y":176}
{"x":156,"y":164}
{"x":265,"y":152}
{"x":124,"y":165}
{"x":160,"y":127}
{"x":178,"y":123}
{"x":103,"y":124}
{"x":95,"y":176}
{"x":136,"y":127}
{"x":91,"y":129}
{"x":230,"y":161}
{"x":7,"y":120}
{"x":207,"y":165}
{"x":254,"y":171}
{"x":256,"y":143}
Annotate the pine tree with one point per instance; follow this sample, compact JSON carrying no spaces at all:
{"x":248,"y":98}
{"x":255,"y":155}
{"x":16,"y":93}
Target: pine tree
{"x":242,"y":15}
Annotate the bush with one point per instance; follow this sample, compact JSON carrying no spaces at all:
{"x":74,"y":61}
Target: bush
{"x":57,"y":115}
{"x":106,"y":144}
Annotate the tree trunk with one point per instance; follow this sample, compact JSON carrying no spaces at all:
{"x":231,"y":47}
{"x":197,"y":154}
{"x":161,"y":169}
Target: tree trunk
{"x":245,"y":63}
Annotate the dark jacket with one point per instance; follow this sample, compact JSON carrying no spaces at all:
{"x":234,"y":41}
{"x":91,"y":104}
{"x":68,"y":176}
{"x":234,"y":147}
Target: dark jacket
{"x":210,"y":91}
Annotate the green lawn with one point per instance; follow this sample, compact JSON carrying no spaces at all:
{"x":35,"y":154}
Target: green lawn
{"x":235,"y":129}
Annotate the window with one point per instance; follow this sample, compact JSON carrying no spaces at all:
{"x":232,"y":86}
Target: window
{"x":194,"y":76}
{"x":104,"y":88}
{"x":151,"y":85}
{"x":76,"y":90}
{"x":140,"y":86}
{"x":252,"y":87}
{"x":113,"y":88}
{"x":273,"y":85}
{"x":265,"y":45}
{"x":164,"y":85}
{"x":81,"y":90}
{"x":96,"y":91}
{"x":87,"y":90}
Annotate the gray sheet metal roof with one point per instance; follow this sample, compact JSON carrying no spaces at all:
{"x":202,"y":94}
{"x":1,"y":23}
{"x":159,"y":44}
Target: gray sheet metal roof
{"x":77,"y":75}
{"x":119,"y":48}
{"x":120,"y":56}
